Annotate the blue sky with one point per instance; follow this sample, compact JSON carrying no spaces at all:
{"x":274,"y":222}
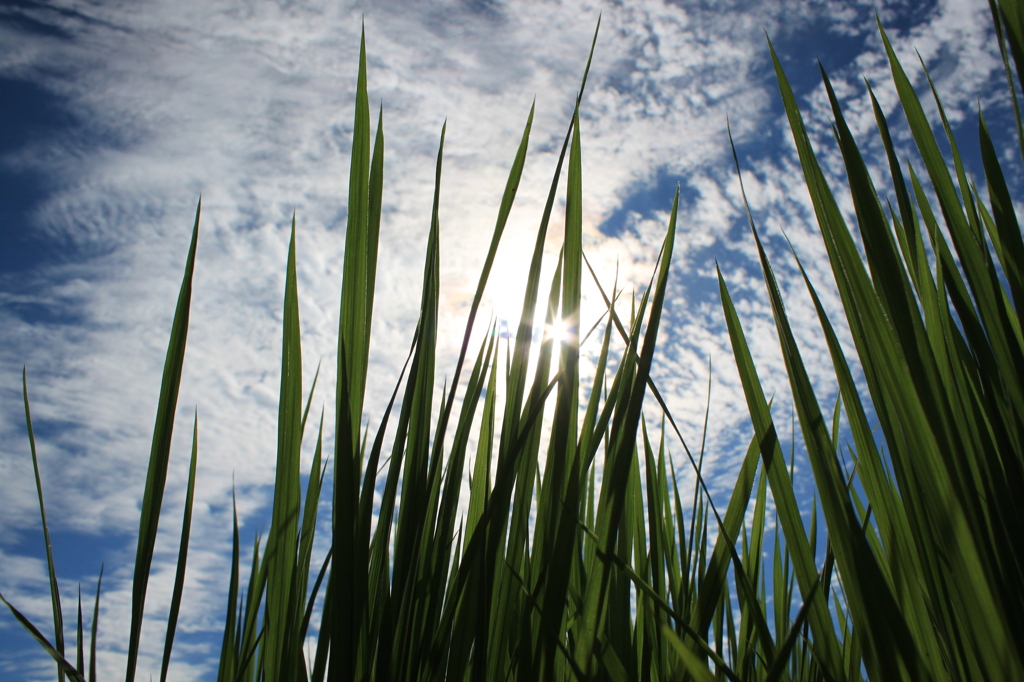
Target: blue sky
{"x":115,"y":116}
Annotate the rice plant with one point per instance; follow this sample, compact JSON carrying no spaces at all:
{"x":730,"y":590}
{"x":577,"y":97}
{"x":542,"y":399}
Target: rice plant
{"x":552,"y":575}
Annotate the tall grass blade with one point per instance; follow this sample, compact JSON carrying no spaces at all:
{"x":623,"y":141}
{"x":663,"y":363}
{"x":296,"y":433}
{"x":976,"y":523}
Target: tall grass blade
{"x":307,"y":533}
{"x":346,"y":585}
{"x":1006,"y":237}
{"x":693,"y":665}
{"x":179,"y":574}
{"x":80,"y":639}
{"x":278,"y":653}
{"x":95,"y":626}
{"x":64,"y":666}
{"x":160,"y":454}
{"x":560,"y":500}
{"x":58,"y":616}
{"x":997,"y":20}
{"x":1013,"y":25}
{"x":226,"y":671}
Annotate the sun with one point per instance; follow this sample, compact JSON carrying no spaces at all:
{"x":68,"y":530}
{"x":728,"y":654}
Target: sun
{"x":557,"y":331}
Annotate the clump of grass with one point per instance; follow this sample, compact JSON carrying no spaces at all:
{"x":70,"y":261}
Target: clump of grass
{"x":620,"y":580}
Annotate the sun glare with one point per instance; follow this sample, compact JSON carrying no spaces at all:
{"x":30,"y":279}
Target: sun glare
{"x":557,"y":331}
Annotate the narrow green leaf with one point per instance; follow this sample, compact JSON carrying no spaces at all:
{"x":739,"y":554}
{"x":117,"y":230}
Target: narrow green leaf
{"x":63,"y":665}
{"x":354,"y":325}
{"x":80,"y":639}
{"x":1007,"y":235}
{"x":159,"y":457}
{"x":95,"y":625}
{"x":284,"y":526}
{"x":691,"y":662}
{"x":58,"y":616}
{"x":179,"y":573}
{"x":229,"y":644}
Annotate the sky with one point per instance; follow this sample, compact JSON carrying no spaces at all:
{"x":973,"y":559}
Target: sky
{"x":116,"y":116}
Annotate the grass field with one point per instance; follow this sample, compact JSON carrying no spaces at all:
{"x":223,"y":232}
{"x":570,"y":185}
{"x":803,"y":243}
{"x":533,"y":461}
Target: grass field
{"x":547,"y":572}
